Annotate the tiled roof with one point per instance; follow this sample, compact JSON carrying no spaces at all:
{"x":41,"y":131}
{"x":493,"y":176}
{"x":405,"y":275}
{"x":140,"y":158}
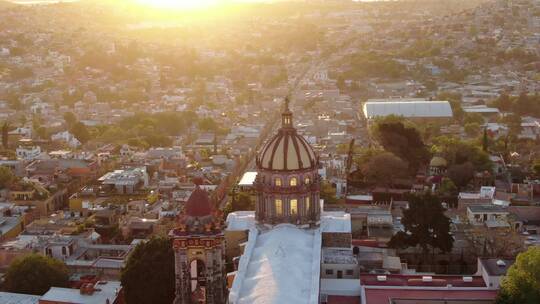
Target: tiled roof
{"x":198,"y":203}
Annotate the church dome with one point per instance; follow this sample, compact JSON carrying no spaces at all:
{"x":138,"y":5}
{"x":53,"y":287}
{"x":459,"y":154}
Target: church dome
{"x":198,"y":203}
{"x":287,"y":150}
{"x":438,"y":161}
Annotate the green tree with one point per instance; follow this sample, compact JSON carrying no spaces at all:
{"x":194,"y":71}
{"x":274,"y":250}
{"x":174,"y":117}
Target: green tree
{"x":328,"y":193}
{"x":461,"y":174}
{"x":6,"y":177}
{"x":447,"y":187}
{"x":35,"y":274}
{"x":42,"y":132}
{"x":425,"y":225}
{"x":455,"y":100}
{"x":472,"y":129}
{"x":384,"y":168}
{"x":513,"y":121}
{"x":473,"y":118}
{"x":404,"y":142}
{"x":70,"y":119}
{"x":365,"y":155}
{"x":536,"y":167}
{"x":243,"y":202}
{"x":80,"y":131}
{"x":5,"y":135}
{"x":458,"y":152}
{"x":341,"y":83}
{"x":148,"y":276}
{"x":158,"y":140}
{"x":521,"y":285}
{"x":524,"y":104}
{"x":485,"y":141}
{"x":503,"y":103}
{"x":207,"y":124}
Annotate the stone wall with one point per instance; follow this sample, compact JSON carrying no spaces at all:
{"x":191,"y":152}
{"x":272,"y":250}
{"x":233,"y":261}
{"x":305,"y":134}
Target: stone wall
{"x":337,"y":239}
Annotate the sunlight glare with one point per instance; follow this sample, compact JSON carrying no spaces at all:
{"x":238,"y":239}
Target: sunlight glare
{"x":179,"y":4}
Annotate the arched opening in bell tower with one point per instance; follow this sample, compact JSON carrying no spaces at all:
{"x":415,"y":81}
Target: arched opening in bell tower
{"x":197,"y":270}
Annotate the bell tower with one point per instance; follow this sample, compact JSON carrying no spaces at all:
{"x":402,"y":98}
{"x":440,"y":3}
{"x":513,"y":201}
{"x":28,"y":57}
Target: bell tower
{"x":199,"y":252}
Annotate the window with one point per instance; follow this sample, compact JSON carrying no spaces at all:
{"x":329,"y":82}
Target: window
{"x":63,"y":250}
{"x":349,"y":272}
{"x":329,"y":271}
{"x":278,"y":182}
{"x":279,"y":207}
{"x":307,"y":180}
{"x":293,"y":182}
{"x":294,"y":207}
{"x":308,"y":203}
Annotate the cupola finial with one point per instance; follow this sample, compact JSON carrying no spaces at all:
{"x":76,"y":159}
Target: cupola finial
{"x":286,"y":116}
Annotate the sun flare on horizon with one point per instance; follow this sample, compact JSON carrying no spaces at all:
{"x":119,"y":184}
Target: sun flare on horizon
{"x":179,"y":4}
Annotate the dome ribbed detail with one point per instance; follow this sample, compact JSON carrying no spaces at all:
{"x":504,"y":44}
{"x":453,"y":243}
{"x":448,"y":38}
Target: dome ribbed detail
{"x":286,"y":150}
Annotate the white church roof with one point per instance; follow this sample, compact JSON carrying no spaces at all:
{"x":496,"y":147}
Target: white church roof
{"x":281,"y":265}
{"x":407,"y":108}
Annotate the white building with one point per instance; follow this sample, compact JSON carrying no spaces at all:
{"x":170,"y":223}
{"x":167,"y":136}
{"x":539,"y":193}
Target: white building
{"x":22,"y":132}
{"x":493,"y":270}
{"x":492,"y":216}
{"x":28,"y":153}
{"x":67,"y":138}
{"x":409,"y":108}
{"x":321,"y":75}
{"x":126,"y":181}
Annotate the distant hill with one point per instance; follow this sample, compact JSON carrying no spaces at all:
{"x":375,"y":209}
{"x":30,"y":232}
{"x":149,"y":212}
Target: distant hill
{"x":6,"y":4}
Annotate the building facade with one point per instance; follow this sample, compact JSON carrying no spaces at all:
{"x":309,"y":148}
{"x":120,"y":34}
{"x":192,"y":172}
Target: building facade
{"x":199,"y":249}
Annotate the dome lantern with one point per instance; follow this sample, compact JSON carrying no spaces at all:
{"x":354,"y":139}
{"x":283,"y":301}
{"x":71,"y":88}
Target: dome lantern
{"x":286,"y":116}
{"x":286,"y":151}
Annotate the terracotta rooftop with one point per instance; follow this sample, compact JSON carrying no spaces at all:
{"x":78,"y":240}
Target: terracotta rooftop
{"x":343,"y":300}
{"x":393,"y":295}
{"x":198,"y":203}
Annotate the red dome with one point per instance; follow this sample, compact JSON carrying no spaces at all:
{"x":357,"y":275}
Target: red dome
{"x":198,"y":203}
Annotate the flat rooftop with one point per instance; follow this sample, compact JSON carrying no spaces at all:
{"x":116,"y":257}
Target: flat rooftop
{"x":17,"y":298}
{"x":240,"y":220}
{"x":248,"y":179}
{"x":496,"y":267}
{"x":407,"y":108}
{"x":416,"y":280}
{"x":487,"y":208}
{"x":335,"y":222}
{"x":338,"y":256}
{"x":108,"y":292}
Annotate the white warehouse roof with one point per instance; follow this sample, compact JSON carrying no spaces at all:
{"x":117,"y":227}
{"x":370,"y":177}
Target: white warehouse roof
{"x":407,"y":108}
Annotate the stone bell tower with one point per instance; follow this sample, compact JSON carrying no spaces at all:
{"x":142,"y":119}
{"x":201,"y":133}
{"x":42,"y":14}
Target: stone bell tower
{"x":199,"y":250}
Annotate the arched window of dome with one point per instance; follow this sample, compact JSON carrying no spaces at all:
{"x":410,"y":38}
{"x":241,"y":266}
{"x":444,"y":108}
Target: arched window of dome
{"x":294,"y":206}
{"x":293,"y":182}
{"x":307,"y":180}
{"x":279,"y":207}
{"x":277,"y":182}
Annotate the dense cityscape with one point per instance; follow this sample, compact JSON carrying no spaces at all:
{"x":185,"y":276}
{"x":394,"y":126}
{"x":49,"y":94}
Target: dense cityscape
{"x":270,"y":152}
